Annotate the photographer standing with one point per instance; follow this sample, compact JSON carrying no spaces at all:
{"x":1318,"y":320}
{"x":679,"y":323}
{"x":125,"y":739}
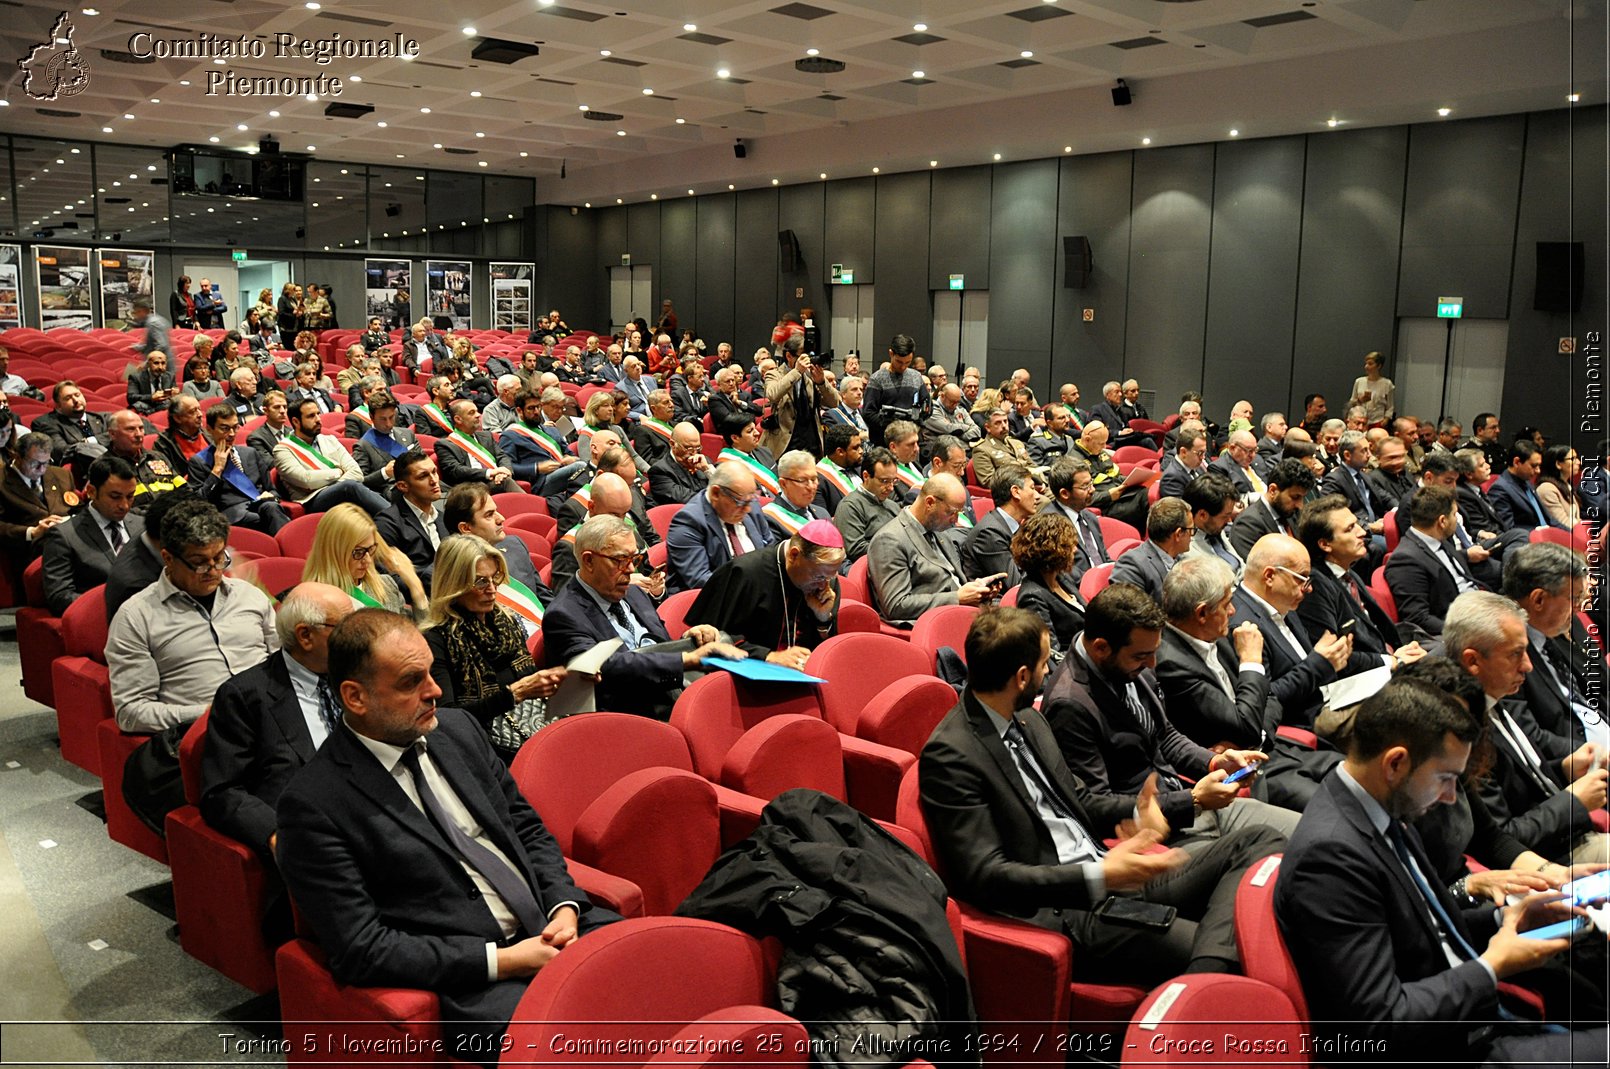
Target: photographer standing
{"x":800,"y":395}
{"x":897,"y":393}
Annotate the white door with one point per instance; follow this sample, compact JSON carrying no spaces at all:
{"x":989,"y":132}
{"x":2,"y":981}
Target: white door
{"x":850,"y":327}
{"x":631,"y":294}
{"x":643,"y":306}
{"x":974,"y":333}
{"x":1474,"y":363}
{"x":223,"y":280}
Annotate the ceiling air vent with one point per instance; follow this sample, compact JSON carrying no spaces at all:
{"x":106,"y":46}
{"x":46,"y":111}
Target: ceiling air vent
{"x":343,"y":110}
{"x":602,"y":116}
{"x":57,"y":113}
{"x":461,"y":151}
{"x":818,"y":65}
{"x":497,"y":50}
{"x":119,"y":56}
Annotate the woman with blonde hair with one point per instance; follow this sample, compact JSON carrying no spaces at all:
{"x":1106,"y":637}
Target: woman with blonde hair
{"x":988,"y":400}
{"x":1373,"y":392}
{"x":265,"y":305}
{"x":346,"y":549}
{"x":480,"y":657}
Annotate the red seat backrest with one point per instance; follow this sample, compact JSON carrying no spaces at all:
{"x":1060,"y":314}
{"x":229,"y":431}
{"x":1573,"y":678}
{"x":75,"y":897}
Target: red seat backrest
{"x":856,"y":667}
{"x":1257,"y":934}
{"x":190,"y":756}
{"x":944,"y":625}
{"x":905,"y":713}
{"x":1094,"y":581}
{"x":84,"y":624}
{"x":716,"y":710}
{"x":1183,"y":1022}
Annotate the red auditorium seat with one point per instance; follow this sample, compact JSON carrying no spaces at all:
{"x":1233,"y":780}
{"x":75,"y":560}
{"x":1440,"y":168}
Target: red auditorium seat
{"x":1094,"y":581}
{"x":1257,"y":935}
{"x":256,"y":541}
{"x":856,"y":667}
{"x":39,"y":639}
{"x":1133,"y":454}
{"x":858,"y":587}
{"x":1383,"y":593}
{"x":1186,"y":1022}
{"x":275,"y":574}
{"x":122,"y":826}
{"x":1389,"y":529}
{"x":660,"y":516}
{"x":295,"y":539}
{"x":512,"y":505}
{"x":220,"y":885}
{"x":539,"y":523}
{"x":857,"y":617}
{"x":943,"y":625}
{"x":674,"y":611}
{"x":79,"y":678}
{"x":1113,"y":530}
{"x":903,"y":714}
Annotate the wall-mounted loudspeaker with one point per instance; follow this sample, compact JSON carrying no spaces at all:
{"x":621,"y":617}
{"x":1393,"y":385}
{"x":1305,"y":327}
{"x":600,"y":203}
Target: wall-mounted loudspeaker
{"x":788,"y":246}
{"x":1076,"y":262}
{"x":1559,"y":276}
{"x":1120,"y":94}
{"x":739,"y":149}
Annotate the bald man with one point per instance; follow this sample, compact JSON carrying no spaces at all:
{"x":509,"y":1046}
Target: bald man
{"x":610,"y":496}
{"x":912,"y":569}
{"x":678,"y":476}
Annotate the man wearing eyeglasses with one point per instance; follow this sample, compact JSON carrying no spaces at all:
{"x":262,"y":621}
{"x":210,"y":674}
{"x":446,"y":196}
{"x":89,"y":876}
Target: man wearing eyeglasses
{"x":604,"y":603}
{"x":912,"y":569}
{"x":171,"y":645}
{"x":714,"y":527}
{"x":796,"y":470}
{"x":1170,"y":526}
{"x":1275,"y":581}
{"x":235,"y":477}
{"x":1236,"y":462}
{"x":870,"y":505}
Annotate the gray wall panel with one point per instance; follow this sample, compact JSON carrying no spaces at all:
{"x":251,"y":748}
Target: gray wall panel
{"x":570,"y":276}
{"x":1252,"y":275}
{"x":1459,"y":215}
{"x":958,"y":227}
{"x":851,"y":220}
{"x":643,"y":242}
{"x":902,"y":302}
{"x":802,"y":209}
{"x":611,"y":242}
{"x":674,"y":272}
{"x":758,"y":271}
{"x":1094,"y":203}
{"x":1023,"y":239}
{"x":1347,"y":277}
{"x":716,"y":251}
{"x":1171,"y":225}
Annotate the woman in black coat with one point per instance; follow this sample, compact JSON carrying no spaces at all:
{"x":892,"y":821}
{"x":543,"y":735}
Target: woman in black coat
{"x":1043,"y":549}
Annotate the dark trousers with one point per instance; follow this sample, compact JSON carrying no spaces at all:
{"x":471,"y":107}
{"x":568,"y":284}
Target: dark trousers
{"x":1202,"y":890}
{"x":338,"y":493}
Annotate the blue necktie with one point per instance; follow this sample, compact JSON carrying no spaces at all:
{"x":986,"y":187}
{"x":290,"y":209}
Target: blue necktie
{"x":1363,"y":494}
{"x":1537,"y":507}
{"x":1451,"y":933}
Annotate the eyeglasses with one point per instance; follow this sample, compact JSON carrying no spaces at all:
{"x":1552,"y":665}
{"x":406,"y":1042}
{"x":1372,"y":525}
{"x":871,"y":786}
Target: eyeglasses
{"x":744,"y":502}
{"x":881,"y":480}
{"x":483,"y":583}
{"x":364,"y":552}
{"x":1304,"y":581}
{"x":625,"y":562}
{"x":808,"y":480}
{"x":211,"y":567}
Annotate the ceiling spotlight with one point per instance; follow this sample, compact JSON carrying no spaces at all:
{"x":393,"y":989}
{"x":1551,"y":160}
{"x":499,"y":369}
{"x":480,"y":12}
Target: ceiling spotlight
{"x":479,"y":133}
{"x":822,"y":175}
{"x":184,"y":81}
{"x":1333,"y":123}
{"x":997,"y":156}
{"x":690,"y":192}
{"x":214,"y":140}
{"x":921,"y":27}
{"x":424,"y":111}
{"x":1026,"y":54}
{"x":919,"y":74}
{"x":437,"y":145}
{"x":874,"y":170}
{"x":648,"y":92}
{"x":1574,"y":97}
{"x":469,"y":31}
{"x":271,"y":115}
{"x":731,"y":186}
{"x":108,"y":129}
{"x":154,"y":100}
{"x":604,"y":52}
{"x":1067,"y":148}
{"x":933,"y":163}
{"x":723,"y":73}
{"x":126,"y":116}
{"x":475,"y":93}
{"x":523,"y":155}
{"x":681,"y":122}
{"x":91,"y":11}
{"x":545,"y":3}
{"x":1445,"y":112}
{"x":311,"y":148}
{"x":620,"y":133}
{"x":688,"y":27}
{"x":240,"y":126}
{"x":582,"y":107}
{"x":1235,"y":133}
{"x":653,"y":196}
{"x":774,"y":181}
{"x":1145,"y":140}
{"x":311,"y":5}
{"x":479,"y":163}
{"x":619,"y":201}
{"x":587,"y":204}
{"x":813,"y":51}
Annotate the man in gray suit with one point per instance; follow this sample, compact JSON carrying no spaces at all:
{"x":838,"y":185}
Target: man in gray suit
{"x":1169,"y":529}
{"x":866,"y":509}
{"x":79,"y":554}
{"x":912,"y":569}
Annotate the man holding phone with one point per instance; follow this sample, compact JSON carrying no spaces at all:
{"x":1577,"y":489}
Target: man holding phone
{"x":1019,"y":833}
{"x":912,"y":569}
{"x":1385,"y":955}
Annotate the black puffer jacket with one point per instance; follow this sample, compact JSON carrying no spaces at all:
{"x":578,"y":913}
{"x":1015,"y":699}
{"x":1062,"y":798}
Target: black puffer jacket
{"x":870,"y":964}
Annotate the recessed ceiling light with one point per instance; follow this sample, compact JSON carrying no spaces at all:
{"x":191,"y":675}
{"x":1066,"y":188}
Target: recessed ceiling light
{"x":648,"y":92}
{"x":1235,"y":133}
{"x":271,"y":115}
{"x":424,"y":111}
{"x":619,"y":201}
{"x":214,"y":140}
{"x":481,"y":163}
{"x":933,"y":163}
{"x":774,"y":181}
{"x":620,"y":133}
{"x":1067,"y":148}
{"x":919,"y":74}
{"x":311,"y":5}
{"x":184,"y":81}
{"x":822,"y":175}
{"x":1574,"y":97}
{"x":311,"y":148}
{"x":921,"y":27}
{"x":545,"y":3}
{"x":723,"y":73}
{"x":475,"y":93}
{"x":813,"y":51}
{"x":688,"y":27}
{"x":681,"y":122}
{"x":1328,"y":122}
{"x":587,"y":204}
{"x":354,"y":77}
{"x":603,"y":52}
{"x":127,"y":116}
{"x":690,"y":192}
{"x":731,"y":186}
{"x":382,"y":124}
{"x":1145,"y":140}
{"x":997,"y":155}
{"x":874,"y":170}
{"x":91,"y":11}
{"x":437,"y":145}
{"x":480,"y":133}
{"x":653,"y":196}
{"x":154,"y":100}
{"x":469,"y":31}
{"x":1445,"y":112}
{"x":1026,"y":54}
{"x":523,"y":155}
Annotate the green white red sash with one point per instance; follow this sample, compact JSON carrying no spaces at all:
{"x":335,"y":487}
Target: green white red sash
{"x":362,"y":412}
{"x":584,"y":495}
{"x":434,"y":413}
{"x":784,"y":517}
{"x":842,"y":481}
{"x":658,"y":426}
{"x":764,"y":476}
{"x":475,"y":449}
{"x":518,"y":599}
{"x":907,"y":474}
{"x":306,"y":453}
{"x":537,"y":438}
{"x":361,"y":599}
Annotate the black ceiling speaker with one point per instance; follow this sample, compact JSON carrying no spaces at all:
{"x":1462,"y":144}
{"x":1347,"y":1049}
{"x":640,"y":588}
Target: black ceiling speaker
{"x":1120,"y":94}
{"x":739,"y":149}
{"x":496,"y":50}
{"x":818,"y":65}
{"x":1076,"y":262}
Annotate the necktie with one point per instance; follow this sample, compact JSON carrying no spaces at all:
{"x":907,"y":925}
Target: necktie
{"x":1166,"y":781}
{"x":1537,"y":506}
{"x":1364,"y":494}
{"x":1257,"y":483}
{"x":115,"y":537}
{"x":329,"y":711}
{"x":733,"y":541}
{"x":1450,"y":933}
{"x":1222,"y":551}
{"x":508,"y":883}
{"x":1025,"y":758}
{"x":39,"y":492}
{"x":1092,"y":545}
{"x":617,"y":612}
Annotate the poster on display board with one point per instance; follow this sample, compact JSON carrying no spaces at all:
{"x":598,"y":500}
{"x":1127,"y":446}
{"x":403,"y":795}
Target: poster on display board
{"x":388,"y":292}
{"x":447,"y":286}
{"x":63,"y":276}
{"x":10,"y":286}
{"x":511,"y":297}
{"x":125,"y":279}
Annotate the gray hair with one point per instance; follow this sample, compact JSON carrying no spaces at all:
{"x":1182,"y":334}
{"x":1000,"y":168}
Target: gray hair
{"x":552,"y":393}
{"x":1351,"y":441}
{"x":598,"y":532}
{"x":1545,"y":566}
{"x":370,"y":382}
{"x":1196,"y":580}
{"x":1475,"y":621}
{"x":508,"y":382}
{"x":795,"y":460}
{"x":295,"y":610}
{"x":726,"y":476}
{"x":242,"y":374}
{"x":656,"y":397}
{"x":1269,"y":418}
{"x":1333,"y":425}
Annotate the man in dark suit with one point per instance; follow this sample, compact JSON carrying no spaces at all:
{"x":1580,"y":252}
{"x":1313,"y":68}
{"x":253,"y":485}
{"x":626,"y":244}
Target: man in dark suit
{"x":1339,"y":601}
{"x":413,"y":521}
{"x":140,"y":563}
{"x":603,"y":603}
{"x":1018,"y":833}
{"x":382,"y":443}
{"x":1072,"y":490}
{"x":839,"y":469}
{"x":1109,"y":412}
{"x":151,"y":385}
{"x":1542,"y":788}
{"x":307,"y":390}
{"x":476,"y":897}
{"x":470,"y":454}
{"x":1426,"y":573}
{"x":1237,"y":463}
{"x":1275,"y":510}
{"x":535,"y":449}
{"x":690,"y":392}
{"x":1390,"y":481}
{"x":1273,"y":442}
{"x":796,"y":505}
{"x":1106,"y":710}
{"x":607,"y":495}
{"x":714,"y":527}
{"x":35,"y":496}
{"x":79,"y":554}
{"x":276,"y":424}
{"x":1514,"y":495}
{"x":1548,"y":581}
{"x":1169,"y":530}
{"x":1385,"y":956}
{"x":987,"y":549}
{"x":1187,"y":462}
{"x":1276,"y":579}
{"x":69,"y":425}
{"x":651,"y":436}
{"x":268,"y":721}
{"x":683,"y":473}
{"x":1214,"y":505}
{"x":235,"y":478}
{"x":1347,"y":479}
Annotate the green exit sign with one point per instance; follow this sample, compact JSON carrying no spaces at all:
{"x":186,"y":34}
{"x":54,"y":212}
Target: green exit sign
{"x":847,"y":277}
{"x":1450,"y":307}
{"x":957,"y":282}
{"x":238,"y":255}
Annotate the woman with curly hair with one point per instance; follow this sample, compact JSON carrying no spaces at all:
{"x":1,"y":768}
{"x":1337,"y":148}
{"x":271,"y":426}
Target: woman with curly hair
{"x":481,"y":660}
{"x":1043,"y":550}
{"x":346,"y":551}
